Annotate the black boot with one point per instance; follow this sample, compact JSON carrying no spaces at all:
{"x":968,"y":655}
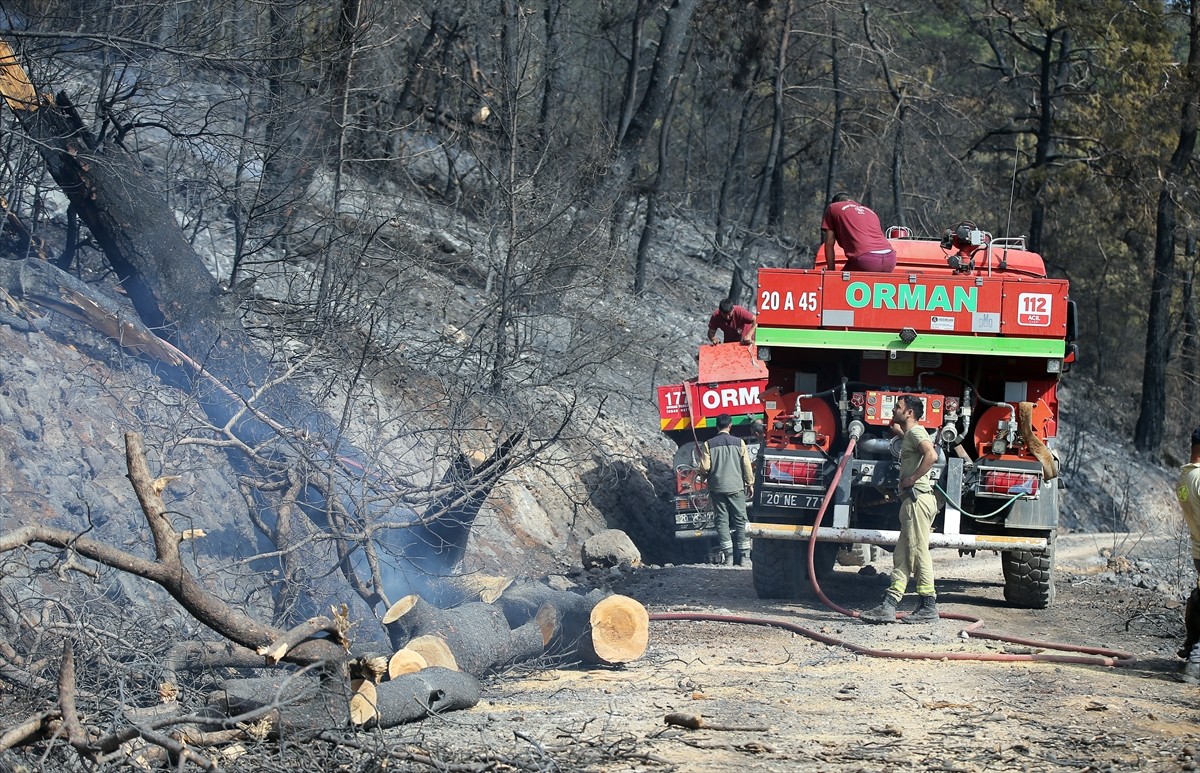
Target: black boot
{"x":884,"y":613}
{"x":741,"y":556}
{"x":926,"y":611}
{"x":1191,"y":623}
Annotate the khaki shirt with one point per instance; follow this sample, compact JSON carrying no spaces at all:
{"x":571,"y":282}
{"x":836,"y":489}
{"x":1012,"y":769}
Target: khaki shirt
{"x":1187,"y":490}
{"x":910,"y":458}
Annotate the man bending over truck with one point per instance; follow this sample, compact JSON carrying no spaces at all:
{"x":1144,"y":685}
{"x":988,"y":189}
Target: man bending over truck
{"x":918,"y":506}
{"x":734,"y":322}
{"x":856,"y":228}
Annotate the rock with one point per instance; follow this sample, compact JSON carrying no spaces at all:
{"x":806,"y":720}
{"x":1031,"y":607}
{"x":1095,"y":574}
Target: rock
{"x":560,"y":582}
{"x":610,"y":548}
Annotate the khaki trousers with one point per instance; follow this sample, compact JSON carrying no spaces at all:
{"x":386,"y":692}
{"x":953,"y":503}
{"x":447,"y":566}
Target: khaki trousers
{"x":911,"y":558}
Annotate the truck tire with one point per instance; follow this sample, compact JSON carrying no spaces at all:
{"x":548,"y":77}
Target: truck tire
{"x":1029,"y":577}
{"x":780,"y":567}
{"x":776,"y":569}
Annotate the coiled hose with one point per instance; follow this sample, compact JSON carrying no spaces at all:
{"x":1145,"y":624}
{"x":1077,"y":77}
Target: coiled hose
{"x":1098,"y":656}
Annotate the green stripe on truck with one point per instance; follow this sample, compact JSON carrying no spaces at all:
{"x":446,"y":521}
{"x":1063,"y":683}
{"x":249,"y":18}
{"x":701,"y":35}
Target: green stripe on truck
{"x":925,"y":342}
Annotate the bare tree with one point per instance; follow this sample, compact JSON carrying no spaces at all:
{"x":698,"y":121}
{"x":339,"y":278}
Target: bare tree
{"x":1175,"y":188}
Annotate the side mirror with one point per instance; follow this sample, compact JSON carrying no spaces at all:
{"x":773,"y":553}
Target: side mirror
{"x":1071,"y":355}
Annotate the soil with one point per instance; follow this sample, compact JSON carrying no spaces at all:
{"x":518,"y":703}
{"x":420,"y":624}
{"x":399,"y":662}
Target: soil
{"x":803,"y":705}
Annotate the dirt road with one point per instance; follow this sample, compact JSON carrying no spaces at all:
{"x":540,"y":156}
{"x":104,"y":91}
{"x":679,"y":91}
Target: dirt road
{"x":803,"y":705}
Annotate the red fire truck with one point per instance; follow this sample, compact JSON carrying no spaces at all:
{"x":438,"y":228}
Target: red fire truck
{"x":968,"y":323}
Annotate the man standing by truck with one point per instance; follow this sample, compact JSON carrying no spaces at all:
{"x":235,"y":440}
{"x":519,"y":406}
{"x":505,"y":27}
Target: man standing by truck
{"x":1187,"y":490}
{"x":918,"y":506}
{"x":726,"y":462}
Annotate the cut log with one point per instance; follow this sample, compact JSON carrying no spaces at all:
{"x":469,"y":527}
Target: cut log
{"x":476,"y":636}
{"x":363,"y":701}
{"x":430,"y":691}
{"x":596,"y":627}
{"x":305,"y":705}
{"x":405,"y":661}
{"x":620,"y":631}
{"x":434,"y":651}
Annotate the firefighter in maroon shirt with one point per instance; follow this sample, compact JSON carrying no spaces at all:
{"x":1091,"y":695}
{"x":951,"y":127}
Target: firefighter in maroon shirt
{"x":856,"y":228}
{"x":734,"y":322}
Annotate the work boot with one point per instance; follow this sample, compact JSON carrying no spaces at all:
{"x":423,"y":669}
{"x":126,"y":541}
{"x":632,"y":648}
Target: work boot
{"x":1190,"y":672}
{"x":741,"y":556}
{"x":1191,"y":622}
{"x":884,"y":613}
{"x":727,"y":556}
{"x":926,"y":611}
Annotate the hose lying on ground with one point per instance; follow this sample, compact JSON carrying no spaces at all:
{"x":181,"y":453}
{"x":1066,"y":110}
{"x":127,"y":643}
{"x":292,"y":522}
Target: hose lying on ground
{"x":1099,"y":656}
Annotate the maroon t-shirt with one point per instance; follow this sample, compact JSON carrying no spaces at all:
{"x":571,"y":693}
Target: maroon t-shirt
{"x":732,"y":329}
{"x":855,"y":227}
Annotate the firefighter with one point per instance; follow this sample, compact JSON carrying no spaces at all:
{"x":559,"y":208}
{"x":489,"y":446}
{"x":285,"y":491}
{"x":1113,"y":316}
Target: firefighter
{"x":726,"y":463}
{"x":856,"y":228}
{"x":918,"y":506}
{"x":735,"y":323}
{"x":1187,"y":489}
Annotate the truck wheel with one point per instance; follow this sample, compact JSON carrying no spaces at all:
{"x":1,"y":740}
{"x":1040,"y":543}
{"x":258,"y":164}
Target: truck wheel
{"x":776,"y":568}
{"x":1029,"y":577}
{"x":780,"y":566}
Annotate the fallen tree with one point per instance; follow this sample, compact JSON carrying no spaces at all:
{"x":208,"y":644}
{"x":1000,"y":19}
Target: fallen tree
{"x":290,"y":453}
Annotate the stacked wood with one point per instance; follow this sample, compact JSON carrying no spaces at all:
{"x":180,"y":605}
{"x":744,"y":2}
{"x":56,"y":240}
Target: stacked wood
{"x":304,"y":704}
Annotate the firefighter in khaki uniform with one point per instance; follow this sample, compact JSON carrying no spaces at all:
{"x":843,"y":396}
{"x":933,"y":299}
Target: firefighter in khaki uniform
{"x":1187,"y":489}
{"x":918,"y":506}
{"x":726,"y":462}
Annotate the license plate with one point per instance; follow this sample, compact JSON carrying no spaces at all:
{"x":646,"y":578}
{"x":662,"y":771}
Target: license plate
{"x":790,"y":499}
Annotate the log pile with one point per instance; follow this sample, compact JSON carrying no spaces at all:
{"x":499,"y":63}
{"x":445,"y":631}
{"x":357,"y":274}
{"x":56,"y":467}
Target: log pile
{"x":526,"y":622}
{"x":441,"y":653}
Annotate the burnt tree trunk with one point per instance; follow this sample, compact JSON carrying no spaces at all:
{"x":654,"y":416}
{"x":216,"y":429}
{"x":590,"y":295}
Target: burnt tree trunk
{"x":239,"y":389}
{"x":1148,"y":433}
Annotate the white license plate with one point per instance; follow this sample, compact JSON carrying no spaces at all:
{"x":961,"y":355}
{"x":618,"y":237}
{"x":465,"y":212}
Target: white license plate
{"x":790,"y":499}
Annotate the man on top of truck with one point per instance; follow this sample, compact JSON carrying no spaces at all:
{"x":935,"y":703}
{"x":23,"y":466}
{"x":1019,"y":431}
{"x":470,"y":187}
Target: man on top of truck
{"x":856,"y":228}
{"x":734,"y":322}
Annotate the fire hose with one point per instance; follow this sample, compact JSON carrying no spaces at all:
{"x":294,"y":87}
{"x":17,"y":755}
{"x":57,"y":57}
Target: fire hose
{"x":1099,"y":656}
